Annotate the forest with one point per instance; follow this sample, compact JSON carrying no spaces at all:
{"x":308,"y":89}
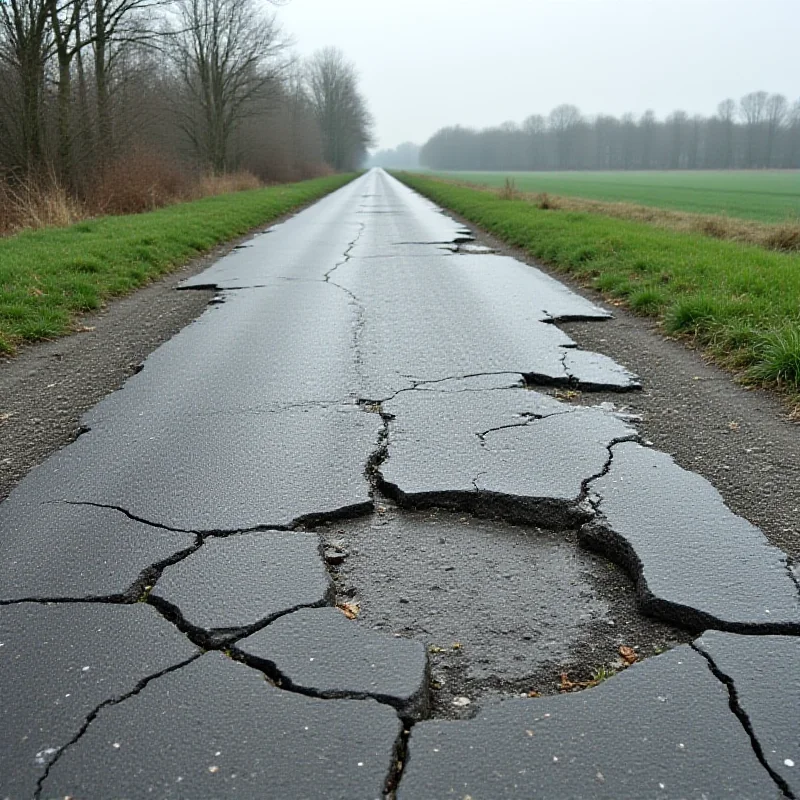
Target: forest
{"x":760,"y":131}
{"x":116,"y":106}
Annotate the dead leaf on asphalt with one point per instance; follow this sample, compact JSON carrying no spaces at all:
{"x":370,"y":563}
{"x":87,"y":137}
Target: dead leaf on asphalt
{"x":566,"y":685}
{"x":628,"y":654}
{"x":84,"y":328}
{"x":6,"y":415}
{"x":350,"y":610}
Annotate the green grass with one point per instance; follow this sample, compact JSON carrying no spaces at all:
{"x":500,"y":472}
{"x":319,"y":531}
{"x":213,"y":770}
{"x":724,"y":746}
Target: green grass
{"x":740,"y":301}
{"x":758,"y":195}
{"x":49,"y":276}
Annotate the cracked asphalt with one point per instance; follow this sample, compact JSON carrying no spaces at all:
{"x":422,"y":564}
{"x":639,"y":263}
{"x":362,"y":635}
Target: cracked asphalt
{"x":242,"y":577}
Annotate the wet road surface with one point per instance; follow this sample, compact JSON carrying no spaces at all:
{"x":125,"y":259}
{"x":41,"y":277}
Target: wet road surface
{"x":168,"y":580}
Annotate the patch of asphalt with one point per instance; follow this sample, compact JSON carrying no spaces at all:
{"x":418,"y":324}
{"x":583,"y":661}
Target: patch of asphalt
{"x":741,"y":439}
{"x":503,"y":609}
{"x":46,"y":387}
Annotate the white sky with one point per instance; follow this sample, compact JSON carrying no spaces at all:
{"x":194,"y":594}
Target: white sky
{"x":429,"y":63}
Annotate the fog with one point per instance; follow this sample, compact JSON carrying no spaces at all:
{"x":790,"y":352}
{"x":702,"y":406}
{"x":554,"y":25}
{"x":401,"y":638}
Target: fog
{"x":425,"y":64}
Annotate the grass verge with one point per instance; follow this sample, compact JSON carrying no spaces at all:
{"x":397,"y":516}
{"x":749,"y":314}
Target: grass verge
{"x":783,"y":237}
{"x":49,"y":276}
{"x":741,"y":302}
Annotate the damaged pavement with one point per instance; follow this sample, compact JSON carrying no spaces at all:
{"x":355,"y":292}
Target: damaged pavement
{"x":336,"y":540}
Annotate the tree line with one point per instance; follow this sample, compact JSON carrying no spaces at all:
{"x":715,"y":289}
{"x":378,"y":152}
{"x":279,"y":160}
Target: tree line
{"x":211,"y":85}
{"x":760,"y":131}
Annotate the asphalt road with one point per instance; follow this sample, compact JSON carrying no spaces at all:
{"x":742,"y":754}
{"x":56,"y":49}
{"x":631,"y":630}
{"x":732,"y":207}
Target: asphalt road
{"x":355,"y":421}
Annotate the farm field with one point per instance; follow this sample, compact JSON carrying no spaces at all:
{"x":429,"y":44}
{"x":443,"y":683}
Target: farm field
{"x":766,"y":196}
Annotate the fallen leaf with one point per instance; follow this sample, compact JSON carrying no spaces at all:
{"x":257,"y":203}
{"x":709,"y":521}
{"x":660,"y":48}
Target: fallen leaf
{"x":628,"y":654}
{"x":6,"y":415}
{"x":84,"y":328}
{"x":457,"y":645}
{"x":734,"y":426}
{"x":350,"y":610}
{"x":567,"y":685}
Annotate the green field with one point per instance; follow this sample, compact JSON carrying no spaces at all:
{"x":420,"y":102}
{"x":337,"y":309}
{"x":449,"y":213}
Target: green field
{"x":49,"y":276}
{"x":740,"y":301}
{"x":766,"y":196}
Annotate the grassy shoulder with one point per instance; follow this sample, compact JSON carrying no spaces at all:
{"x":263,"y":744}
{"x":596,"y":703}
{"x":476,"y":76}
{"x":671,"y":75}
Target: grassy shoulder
{"x":739,"y":301}
{"x":49,"y":276}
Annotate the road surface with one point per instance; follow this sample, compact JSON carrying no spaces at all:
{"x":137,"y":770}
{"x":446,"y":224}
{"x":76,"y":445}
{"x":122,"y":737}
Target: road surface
{"x":368,"y":400}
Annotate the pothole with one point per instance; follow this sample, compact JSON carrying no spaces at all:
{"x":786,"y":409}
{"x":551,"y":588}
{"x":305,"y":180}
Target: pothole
{"x":503,"y":610}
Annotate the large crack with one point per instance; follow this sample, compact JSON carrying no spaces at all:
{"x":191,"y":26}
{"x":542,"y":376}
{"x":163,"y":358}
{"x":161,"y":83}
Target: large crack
{"x":361,"y":311}
{"x":310,"y":520}
{"x":597,"y":536}
{"x":93,"y":715}
{"x":220,"y":638}
{"x":740,"y":713}
{"x":281,"y":681}
{"x":399,"y":760}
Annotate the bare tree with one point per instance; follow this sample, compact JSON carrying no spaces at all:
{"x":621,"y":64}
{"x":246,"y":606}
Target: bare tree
{"x":752,"y":107}
{"x":227,"y":54}
{"x":563,"y":121}
{"x":24,"y":48}
{"x":776,"y":112}
{"x":341,"y":111}
{"x":726,"y":113}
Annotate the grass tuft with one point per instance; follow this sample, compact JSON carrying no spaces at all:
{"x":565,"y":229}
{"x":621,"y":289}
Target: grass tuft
{"x":779,"y":359}
{"x":647,"y":301}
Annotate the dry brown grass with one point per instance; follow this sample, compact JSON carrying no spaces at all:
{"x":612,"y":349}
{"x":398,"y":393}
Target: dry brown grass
{"x":509,"y":190}
{"x":135,"y":183}
{"x":38,"y":203}
{"x":226,"y":183}
{"x":784,"y":237}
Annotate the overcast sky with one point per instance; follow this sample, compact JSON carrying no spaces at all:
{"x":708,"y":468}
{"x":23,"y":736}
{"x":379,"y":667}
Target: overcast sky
{"x":429,"y":63}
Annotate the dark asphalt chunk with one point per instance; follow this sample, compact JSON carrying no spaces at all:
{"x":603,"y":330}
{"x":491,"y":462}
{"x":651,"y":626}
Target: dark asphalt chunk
{"x":58,"y":663}
{"x":320,"y":651}
{"x":597,"y":371}
{"x":60,"y":551}
{"x":764,"y":675}
{"x":661,"y":729}
{"x":234,"y":583}
{"x":216,"y":728}
{"x":221,"y":472}
{"x":696,"y":563}
{"x":516,"y":453}
{"x":502,"y":609}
